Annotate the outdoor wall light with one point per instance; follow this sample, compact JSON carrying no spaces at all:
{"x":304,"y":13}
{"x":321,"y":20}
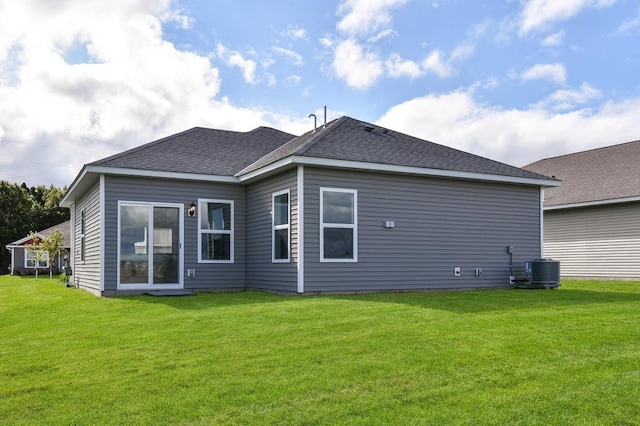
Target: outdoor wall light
{"x":192,"y":210}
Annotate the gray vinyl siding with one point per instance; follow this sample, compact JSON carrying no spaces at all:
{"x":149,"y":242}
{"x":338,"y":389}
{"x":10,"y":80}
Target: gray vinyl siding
{"x":439,"y":225}
{"x":209,"y":276}
{"x":262,"y":273}
{"x":87,"y":274}
{"x":595,"y":242}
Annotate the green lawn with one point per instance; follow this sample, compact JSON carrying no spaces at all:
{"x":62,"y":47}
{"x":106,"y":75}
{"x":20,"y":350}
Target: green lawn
{"x":568,"y":356}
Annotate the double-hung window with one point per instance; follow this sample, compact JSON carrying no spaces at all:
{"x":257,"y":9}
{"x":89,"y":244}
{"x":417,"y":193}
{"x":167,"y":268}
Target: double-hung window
{"x":215,"y":237}
{"x":338,"y":225}
{"x":281,"y":226}
{"x":36,"y":257}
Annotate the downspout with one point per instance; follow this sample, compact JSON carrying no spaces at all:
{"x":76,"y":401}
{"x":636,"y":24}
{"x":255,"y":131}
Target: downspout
{"x":300,"y":266}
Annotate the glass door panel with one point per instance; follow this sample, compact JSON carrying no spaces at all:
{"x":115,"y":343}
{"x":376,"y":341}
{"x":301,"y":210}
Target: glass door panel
{"x":149,"y":251}
{"x":166,"y":245}
{"x":134,"y":245}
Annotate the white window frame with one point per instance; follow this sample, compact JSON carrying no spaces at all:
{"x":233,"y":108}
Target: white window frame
{"x":353,"y":226}
{"x":32,"y":253}
{"x":230,"y":232}
{"x":275,"y":227}
{"x":149,"y":284}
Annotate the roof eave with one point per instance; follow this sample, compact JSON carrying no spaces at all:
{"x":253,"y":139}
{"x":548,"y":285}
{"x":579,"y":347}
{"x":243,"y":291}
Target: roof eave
{"x":390,"y":168}
{"x":593,"y":203}
{"x":77,"y":189}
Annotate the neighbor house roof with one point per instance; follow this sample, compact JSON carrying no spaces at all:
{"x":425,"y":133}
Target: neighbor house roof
{"x":598,"y":176}
{"x":64,"y":228}
{"x":226,"y":156}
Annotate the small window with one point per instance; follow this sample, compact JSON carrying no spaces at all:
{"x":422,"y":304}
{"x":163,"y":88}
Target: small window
{"x":82,"y":235}
{"x":338,"y":225}
{"x":215,"y":238}
{"x":40,"y":257}
{"x":281,"y":227}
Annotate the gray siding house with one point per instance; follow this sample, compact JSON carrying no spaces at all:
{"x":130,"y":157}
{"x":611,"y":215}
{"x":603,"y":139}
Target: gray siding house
{"x":23,"y":261}
{"x":592,"y":222}
{"x":347,"y":207}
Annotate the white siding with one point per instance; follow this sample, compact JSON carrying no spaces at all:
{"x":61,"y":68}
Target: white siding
{"x":595,"y":242}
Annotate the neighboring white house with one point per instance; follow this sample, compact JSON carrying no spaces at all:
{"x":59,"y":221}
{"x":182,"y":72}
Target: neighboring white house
{"x":592,"y":221}
{"x":24,"y":261}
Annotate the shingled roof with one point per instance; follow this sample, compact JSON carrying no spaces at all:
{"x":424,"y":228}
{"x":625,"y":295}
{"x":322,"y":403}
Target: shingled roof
{"x":228,"y":156}
{"x":607,"y":174}
{"x":349,"y":139}
{"x":200,"y":151}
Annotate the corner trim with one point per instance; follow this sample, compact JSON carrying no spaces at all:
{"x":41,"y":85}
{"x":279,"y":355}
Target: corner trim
{"x":300,"y":202}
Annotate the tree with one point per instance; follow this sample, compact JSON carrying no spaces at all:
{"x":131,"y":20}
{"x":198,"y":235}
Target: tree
{"x":23,"y":209}
{"x":36,"y":251}
{"x":53,"y":245}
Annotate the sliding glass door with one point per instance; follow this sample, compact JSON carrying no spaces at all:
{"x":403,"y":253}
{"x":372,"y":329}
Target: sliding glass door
{"x":149,"y":245}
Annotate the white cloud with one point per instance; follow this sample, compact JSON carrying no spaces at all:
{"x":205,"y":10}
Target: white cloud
{"x":630,"y":26}
{"x":398,"y":67}
{"x":234,"y":58}
{"x":538,"y":14}
{"x":513,"y":136}
{"x":294,"y":79}
{"x":552,"y":72}
{"x":358,"y":68}
{"x":436,"y":65}
{"x":296,"y":32}
{"x":567,"y":99}
{"x":554,"y":39}
{"x":365,"y":16}
{"x":132,"y":87}
{"x":382,"y":34}
{"x":292,"y":56}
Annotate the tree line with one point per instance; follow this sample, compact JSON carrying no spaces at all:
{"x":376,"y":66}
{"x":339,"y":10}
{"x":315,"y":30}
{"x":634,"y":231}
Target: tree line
{"x":25,"y":209}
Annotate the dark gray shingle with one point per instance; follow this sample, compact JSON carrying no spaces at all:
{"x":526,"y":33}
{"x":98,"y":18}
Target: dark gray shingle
{"x":201,"y":151}
{"x":346,"y":139}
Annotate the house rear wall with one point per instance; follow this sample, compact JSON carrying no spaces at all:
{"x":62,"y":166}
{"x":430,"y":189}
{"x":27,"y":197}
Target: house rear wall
{"x":439,"y":225}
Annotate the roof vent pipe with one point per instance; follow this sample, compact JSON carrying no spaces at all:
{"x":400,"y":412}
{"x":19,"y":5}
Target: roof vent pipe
{"x":314,"y":121}
{"x":325,"y":117}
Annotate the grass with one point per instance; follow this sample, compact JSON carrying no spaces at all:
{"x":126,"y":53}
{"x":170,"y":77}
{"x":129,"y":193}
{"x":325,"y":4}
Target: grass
{"x":531,"y":357}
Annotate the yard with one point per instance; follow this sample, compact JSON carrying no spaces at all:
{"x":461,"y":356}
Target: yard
{"x":566,"y":356}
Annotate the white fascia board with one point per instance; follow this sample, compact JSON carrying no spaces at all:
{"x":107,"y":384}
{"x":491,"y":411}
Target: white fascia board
{"x":20,"y":242}
{"x":267,"y":169}
{"x":121,"y":171}
{"x":68,"y":199}
{"x":390,"y":168}
{"x":593,"y":203}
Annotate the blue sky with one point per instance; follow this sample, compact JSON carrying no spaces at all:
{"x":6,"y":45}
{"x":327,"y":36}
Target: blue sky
{"x":515,"y":81}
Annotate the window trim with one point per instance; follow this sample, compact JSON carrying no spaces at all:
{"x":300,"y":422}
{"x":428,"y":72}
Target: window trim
{"x":150,"y":284}
{"x":230,"y":232}
{"x":275,"y":227}
{"x":353,"y":226}
{"x":32,"y":252}
{"x":83,"y":236}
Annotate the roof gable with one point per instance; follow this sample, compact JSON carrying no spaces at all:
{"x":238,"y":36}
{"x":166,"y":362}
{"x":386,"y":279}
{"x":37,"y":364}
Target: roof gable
{"x":348,"y":139}
{"x":64,"y":228}
{"x":599,"y":175}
